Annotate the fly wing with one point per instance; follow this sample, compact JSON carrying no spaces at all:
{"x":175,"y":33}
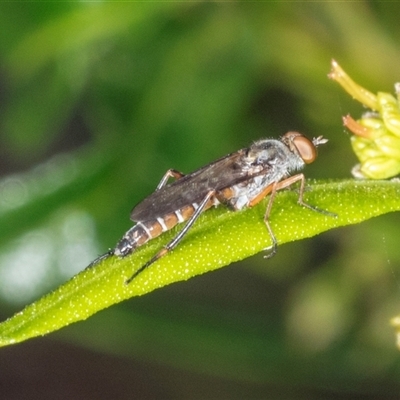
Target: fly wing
{"x":192,"y":188}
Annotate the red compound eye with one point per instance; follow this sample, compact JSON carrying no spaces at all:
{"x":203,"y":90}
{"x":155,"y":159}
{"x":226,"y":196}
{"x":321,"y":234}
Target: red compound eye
{"x":306,"y":149}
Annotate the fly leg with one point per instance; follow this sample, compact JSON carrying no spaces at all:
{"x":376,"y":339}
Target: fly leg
{"x":273,"y":188}
{"x":171,"y":173}
{"x":175,"y":241}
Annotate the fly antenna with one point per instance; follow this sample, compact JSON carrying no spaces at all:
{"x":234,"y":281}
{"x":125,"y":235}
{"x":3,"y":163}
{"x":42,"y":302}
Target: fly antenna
{"x":319,"y":140}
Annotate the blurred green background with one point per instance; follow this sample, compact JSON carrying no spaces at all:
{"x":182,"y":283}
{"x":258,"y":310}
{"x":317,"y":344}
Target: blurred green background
{"x":97,"y":101}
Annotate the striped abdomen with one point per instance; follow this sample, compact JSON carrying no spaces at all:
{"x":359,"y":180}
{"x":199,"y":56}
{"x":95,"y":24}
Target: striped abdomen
{"x":236,"y":196}
{"x":144,"y":231}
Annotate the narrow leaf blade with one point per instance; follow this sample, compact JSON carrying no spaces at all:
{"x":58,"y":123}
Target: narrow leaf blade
{"x":218,"y":238}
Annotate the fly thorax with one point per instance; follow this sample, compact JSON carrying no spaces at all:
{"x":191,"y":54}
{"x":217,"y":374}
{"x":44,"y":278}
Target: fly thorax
{"x":275,"y":158}
{"x":268,"y":161}
{"x":244,"y":192}
{"x":294,"y":162}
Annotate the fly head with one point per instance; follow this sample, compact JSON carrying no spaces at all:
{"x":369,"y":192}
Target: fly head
{"x":305,"y":148}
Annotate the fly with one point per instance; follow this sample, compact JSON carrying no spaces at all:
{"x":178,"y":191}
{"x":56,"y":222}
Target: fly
{"x":238,"y":180}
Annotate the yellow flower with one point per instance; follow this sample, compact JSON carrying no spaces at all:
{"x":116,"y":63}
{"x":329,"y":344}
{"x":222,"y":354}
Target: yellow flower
{"x":376,"y":139}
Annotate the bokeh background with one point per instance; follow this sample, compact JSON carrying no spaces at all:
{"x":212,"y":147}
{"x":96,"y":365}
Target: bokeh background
{"x":97,"y":101}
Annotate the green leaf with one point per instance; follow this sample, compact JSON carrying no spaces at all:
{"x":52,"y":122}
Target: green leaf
{"x":218,"y":238}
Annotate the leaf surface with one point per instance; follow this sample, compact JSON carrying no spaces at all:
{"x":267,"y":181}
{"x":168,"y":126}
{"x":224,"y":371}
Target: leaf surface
{"x":217,"y":239}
